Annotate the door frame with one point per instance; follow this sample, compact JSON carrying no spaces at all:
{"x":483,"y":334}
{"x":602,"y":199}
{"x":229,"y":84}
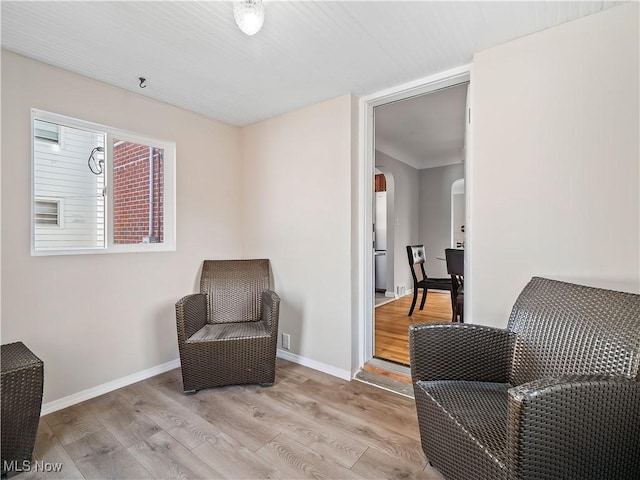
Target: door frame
{"x":366,"y":162}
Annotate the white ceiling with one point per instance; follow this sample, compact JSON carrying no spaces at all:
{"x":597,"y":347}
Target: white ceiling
{"x":425,"y":131}
{"x":195,"y":57}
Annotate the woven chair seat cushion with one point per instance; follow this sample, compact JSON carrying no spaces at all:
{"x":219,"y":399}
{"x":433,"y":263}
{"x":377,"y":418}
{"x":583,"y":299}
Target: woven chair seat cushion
{"x":478,"y":408}
{"x":224,"y":331}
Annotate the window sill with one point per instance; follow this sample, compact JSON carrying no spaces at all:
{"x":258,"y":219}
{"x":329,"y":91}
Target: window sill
{"x":134,"y":248}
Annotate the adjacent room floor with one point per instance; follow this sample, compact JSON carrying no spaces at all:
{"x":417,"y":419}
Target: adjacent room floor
{"x":392,"y":323}
{"x":381,"y":299}
{"x":389,"y":369}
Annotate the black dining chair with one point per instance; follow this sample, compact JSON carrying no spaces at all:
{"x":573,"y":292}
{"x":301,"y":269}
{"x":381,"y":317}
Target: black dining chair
{"x":416,"y":256}
{"x":455,"y":268}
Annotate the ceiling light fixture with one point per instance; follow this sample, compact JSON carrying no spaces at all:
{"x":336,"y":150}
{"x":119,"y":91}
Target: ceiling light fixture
{"x":249,"y":15}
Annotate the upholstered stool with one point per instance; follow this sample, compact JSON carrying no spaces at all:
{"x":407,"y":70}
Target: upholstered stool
{"x":21,"y":392}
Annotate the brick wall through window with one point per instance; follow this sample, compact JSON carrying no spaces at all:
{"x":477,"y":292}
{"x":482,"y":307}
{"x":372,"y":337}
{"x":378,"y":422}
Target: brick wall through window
{"x":131,"y":193}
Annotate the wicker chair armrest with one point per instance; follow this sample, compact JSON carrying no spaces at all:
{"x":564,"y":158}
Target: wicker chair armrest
{"x":545,"y":386}
{"x":270,"y":311}
{"x":455,"y":351}
{"x":579,"y":426}
{"x":191,"y":315}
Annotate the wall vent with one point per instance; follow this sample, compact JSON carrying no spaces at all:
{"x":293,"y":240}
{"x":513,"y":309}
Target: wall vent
{"x":46,"y":132}
{"x":48,"y":213}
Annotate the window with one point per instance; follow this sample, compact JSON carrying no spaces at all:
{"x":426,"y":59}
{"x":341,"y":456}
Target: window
{"x":102,"y":190}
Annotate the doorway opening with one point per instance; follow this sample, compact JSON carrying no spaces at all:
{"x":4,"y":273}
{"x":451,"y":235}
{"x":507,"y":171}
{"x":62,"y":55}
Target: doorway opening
{"x":393,"y":126}
{"x":383,"y":236}
{"x":458,"y":214}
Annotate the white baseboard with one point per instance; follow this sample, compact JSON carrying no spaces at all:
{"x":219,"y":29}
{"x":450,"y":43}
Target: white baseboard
{"x":410,"y":292}
{"x":93,"y":392}
{"x":307,"y":362}
{"x":98,"y":390}
{"x":389,"y":294}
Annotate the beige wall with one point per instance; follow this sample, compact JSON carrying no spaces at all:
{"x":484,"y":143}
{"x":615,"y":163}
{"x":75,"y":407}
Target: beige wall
{"x":1,"y":146}
{"x":435,"y":214}
{"x":297,"y":212}
{"x":403,"y":218}
{"x":555,"y":175}
{"x":356,"y":313}
{"x":96,"y":318}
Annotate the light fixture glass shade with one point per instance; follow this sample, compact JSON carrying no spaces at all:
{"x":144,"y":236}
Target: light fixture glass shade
{"x":249,"y":15}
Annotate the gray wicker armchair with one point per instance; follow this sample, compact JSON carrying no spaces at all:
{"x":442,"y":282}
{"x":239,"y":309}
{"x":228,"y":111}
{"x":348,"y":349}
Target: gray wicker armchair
{"x":227,"y":333}
{"x":554,"y":396}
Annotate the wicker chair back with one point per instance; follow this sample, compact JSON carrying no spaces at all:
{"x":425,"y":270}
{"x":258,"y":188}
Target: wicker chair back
{"x":566,"y":329}
{"x":234,"y":289}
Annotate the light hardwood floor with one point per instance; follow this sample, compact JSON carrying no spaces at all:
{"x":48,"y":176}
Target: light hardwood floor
{"x":308,"y":425}
{"x":392,"y":323}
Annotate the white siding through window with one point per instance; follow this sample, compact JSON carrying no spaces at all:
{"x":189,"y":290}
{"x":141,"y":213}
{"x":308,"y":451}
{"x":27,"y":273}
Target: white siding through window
{"x":61,"y":172}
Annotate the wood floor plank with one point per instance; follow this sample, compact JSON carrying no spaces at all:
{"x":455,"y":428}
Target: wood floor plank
{"x":211,"y":406}
{"x":72,"y":423}
{"x":166,"y":458}
{"x":49,"y":449}
{"x":382,"y":399}
{"x":391,"y":323}
{"x":294,"y":460}
{"x":100,"y":442}
{"x":378,"y":465}
{"x":180,"y":422}
{"x":233,"y":460}
{"x":343,"y":449}
{"x":399,"y":446}
{"x":121,"y":418}
{"x":287,"y":376}
{"x":101,"y":455}
{"x":351,"y":402}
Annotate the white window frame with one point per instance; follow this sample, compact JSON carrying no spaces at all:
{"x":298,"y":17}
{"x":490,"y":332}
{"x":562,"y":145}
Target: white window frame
{"x":169,"y":187}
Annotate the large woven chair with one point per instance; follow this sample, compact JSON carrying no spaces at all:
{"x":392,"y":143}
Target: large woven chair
{"x":227,"y":333}
{"x":21,"y":391}
{"x":555,"y":395}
